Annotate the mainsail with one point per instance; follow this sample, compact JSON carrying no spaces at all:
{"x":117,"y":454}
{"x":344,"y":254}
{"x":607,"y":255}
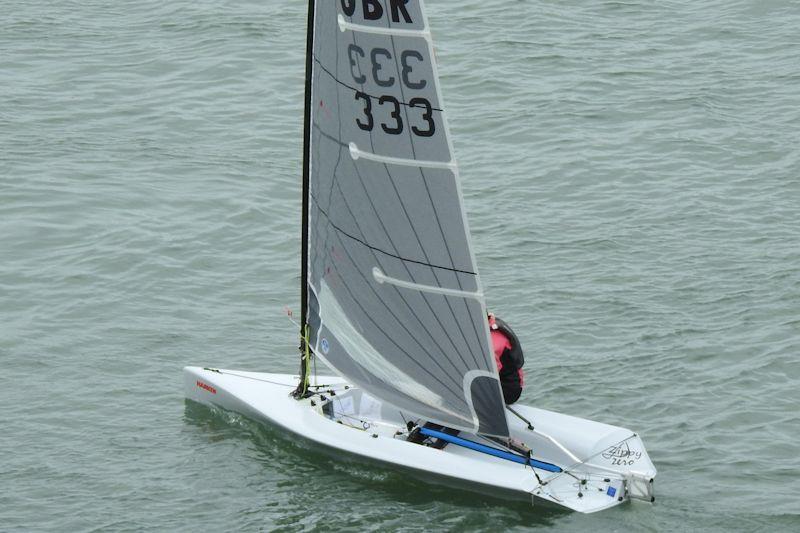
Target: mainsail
{"x":393,"y":300}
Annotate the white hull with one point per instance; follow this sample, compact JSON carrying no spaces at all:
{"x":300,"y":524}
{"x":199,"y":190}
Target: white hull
{"x":605,"y":465}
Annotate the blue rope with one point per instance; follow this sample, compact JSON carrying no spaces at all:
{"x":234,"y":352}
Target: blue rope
{"x":482,"y":448}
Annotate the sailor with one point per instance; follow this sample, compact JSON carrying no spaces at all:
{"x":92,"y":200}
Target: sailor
{"x":509,"y":358}
{"x":508,"y":355}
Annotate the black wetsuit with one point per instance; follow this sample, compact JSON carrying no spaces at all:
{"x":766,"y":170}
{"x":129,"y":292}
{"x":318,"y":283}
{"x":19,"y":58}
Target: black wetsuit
{"x":510,"y":364}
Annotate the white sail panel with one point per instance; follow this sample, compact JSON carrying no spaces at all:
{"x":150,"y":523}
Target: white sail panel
{"x":394,"y":301}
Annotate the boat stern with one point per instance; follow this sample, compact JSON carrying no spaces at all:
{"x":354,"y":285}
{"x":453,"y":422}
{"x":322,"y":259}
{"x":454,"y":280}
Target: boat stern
{"x":640,"y":486}
{"x":629,"y":460}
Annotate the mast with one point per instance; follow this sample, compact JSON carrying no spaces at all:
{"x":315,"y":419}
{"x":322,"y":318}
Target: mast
{"x":304,"y":349}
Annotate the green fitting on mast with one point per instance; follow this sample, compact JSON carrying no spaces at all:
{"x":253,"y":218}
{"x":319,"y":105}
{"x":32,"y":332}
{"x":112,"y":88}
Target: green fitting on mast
{"x":305,"y":367}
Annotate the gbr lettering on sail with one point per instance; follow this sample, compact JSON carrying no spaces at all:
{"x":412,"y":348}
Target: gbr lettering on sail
{"x":381,"y":65}
{"x":373,"y":10}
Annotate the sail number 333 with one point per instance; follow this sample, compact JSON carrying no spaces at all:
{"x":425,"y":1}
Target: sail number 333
{"x":391,"y":106}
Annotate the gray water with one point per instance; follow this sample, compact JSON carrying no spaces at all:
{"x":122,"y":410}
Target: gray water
{"x":632,"y":176}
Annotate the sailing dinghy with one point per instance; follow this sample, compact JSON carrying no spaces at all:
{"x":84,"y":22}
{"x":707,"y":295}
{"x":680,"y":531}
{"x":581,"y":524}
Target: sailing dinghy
{"x":390,"y":294}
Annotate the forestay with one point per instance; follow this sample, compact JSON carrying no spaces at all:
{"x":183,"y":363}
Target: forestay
{"x":394,"y":302}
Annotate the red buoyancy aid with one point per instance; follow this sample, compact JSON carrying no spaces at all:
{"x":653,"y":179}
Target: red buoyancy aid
{"x":500,"y":343}
{"x":509,"y":358}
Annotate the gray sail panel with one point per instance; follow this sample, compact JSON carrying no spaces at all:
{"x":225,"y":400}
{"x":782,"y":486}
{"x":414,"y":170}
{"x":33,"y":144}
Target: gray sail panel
{"x":394,"y":297}
{"x":413,"y":221}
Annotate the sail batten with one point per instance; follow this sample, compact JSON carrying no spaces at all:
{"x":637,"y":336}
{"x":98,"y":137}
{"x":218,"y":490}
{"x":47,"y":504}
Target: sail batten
{"x":344,"y":26}
{"x":394,"y":300}
{"x":356,"y":153}
{"x":380,"y":277}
